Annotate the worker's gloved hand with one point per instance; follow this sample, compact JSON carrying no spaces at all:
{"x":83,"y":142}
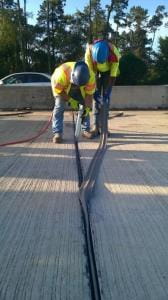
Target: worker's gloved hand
{"x":74,"y":104}
{"x":86,"y":112}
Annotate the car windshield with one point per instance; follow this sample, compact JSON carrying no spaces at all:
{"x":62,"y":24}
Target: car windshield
{"x":37,"y":78}
{"x":26,"y":78}
{"x":14,"y":79}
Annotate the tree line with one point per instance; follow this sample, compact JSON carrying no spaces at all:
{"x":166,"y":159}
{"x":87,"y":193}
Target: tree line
{"x":58,"y":37}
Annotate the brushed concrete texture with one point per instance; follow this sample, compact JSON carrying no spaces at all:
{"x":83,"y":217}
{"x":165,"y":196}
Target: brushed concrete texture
{"x":42,"y":247}
{"x":129,"y":211}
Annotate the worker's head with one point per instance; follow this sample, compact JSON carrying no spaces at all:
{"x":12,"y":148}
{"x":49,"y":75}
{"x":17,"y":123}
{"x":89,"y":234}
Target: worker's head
{"x":100,"y":51}
{"x":80,"y":74}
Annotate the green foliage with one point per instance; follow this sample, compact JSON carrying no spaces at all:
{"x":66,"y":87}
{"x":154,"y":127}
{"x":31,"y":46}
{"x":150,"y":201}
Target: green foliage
{"x":51,"y":26}
{"x":137,"y":39}
{"x":9,"y":44}
{"x":161,"y":63}
{"x":117,"y":9}
{"x":98,"y":18}
{"x":58,"y":37}
{"x":157,"y":20}
{"x":132,"y":70}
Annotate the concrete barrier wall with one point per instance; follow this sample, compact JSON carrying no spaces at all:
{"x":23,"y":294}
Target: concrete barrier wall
{"x":123,"y":97}
{"x":140,"y":97}
{"x":19,"y":97}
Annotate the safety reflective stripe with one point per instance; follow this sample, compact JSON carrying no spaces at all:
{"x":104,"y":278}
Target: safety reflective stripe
{"x":113,"y":58}
{"x":90,"y":86}
{"x":116,"y":52}
{"x":59,"y":86}
{"x":92,"y":63}
{"x":114,"y":55}
{"x":67,"y":71}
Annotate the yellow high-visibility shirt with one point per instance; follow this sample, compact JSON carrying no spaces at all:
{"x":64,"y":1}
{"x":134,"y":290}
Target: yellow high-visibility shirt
{"x":61,"y":80}
{"x":112,"y":64}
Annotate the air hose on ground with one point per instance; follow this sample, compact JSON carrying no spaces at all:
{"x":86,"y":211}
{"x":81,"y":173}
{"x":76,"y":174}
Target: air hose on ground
{"x":42,"y":130}
{"x":18,"y":113}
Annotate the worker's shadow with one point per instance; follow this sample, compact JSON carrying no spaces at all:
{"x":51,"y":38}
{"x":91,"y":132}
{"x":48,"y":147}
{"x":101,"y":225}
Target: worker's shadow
{"x":115,"y":140}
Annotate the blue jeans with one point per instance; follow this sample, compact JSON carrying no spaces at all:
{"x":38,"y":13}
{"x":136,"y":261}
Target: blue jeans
{"x":102,"y":79}
{"x":58,"y":117}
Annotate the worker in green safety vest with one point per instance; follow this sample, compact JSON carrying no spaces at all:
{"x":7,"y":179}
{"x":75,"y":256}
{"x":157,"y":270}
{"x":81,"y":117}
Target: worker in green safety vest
{"x":72,"y":82}
{"x":102,"y":57}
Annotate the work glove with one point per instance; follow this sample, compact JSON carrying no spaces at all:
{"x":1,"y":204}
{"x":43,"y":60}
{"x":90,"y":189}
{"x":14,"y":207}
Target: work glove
{"x":74,"y":104}
{"x":86,"y":112}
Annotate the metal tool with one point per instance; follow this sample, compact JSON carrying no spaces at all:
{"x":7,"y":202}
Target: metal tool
{"x":79,"y":120}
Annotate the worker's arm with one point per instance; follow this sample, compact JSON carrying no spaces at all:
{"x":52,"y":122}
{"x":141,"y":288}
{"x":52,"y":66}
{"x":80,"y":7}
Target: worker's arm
{"x":114,"y":70}
{"x":88,"y":105}
{"x":90,"y":87}
{"x":89,"y":91}
{"x":64,"y":96}
{"x":88,"y":57}
{"x":111,"y":81}
{"x":71,"y":101}
{"x":88,"y":100}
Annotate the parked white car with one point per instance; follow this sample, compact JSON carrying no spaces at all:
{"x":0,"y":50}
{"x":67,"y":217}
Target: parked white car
{"x":27,"y":79}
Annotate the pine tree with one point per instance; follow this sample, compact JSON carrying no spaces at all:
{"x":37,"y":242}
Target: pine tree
{"x":50,"y":28}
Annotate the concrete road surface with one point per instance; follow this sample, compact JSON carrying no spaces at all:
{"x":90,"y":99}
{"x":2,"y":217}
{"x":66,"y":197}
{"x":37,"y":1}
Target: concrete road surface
{"x":42,"y":244}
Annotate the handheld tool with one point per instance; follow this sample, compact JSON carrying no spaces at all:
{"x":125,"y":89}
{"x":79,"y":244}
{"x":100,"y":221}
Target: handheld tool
{"x":79,"y":120}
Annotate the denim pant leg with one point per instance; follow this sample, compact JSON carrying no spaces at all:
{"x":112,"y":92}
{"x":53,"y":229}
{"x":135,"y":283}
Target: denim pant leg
{"x":86,"y":123}
{"x":96,"y":114}
{"x":58,"y":115}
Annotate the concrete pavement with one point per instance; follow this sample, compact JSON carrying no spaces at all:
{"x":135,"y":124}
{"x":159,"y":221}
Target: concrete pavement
{"x":42,"y":246}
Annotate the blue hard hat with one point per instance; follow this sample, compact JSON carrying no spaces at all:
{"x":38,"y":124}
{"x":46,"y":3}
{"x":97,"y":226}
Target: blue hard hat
{"x":80,"y":73}
{"x":100,"y":51}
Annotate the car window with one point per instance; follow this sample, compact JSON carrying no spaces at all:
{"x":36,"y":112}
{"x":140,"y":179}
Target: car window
{"x":14,"y":79}
{"x":37,"y":78}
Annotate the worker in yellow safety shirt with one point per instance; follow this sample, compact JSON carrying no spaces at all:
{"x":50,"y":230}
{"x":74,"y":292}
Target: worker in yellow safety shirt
{"x":72,"y":82}
{"x":102,"y":57}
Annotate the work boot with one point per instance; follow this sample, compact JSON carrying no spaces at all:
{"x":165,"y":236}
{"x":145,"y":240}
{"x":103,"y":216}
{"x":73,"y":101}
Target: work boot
{"x":87,"y":134}
{"x":95,"y":131}
{"x":57,"y":138}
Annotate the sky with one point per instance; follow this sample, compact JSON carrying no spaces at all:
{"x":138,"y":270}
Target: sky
{"x":72,"y":5}
{"x":148,"y":4}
